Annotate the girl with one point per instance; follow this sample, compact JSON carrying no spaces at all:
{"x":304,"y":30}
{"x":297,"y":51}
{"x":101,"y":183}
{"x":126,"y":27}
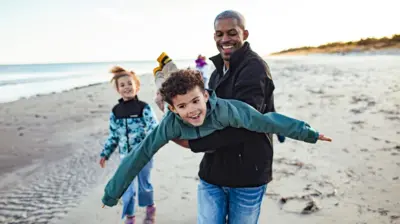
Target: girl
{"x":130,"y":121}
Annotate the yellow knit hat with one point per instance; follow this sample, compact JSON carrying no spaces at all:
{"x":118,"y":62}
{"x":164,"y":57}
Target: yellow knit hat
{"x":163,"y":59}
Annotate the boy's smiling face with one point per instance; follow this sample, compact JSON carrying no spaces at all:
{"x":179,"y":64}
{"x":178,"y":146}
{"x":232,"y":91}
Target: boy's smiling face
{"x":192,"y":106}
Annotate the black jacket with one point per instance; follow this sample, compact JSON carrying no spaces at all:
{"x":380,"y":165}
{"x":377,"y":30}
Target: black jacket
{"x":129,"y":109}
{"x":241,"y":158}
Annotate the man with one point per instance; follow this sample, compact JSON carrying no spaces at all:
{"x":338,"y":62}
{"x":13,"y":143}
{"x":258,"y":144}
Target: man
{"x":234,"y":176}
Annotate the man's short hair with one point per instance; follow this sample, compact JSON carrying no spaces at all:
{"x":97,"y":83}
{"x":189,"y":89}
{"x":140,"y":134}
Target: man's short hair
{"x":232,"y":14}
{"x":180,"y":82}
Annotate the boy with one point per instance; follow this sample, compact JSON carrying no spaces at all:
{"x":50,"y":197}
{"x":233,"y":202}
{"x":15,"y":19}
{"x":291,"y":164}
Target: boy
{"x":195,"y":112}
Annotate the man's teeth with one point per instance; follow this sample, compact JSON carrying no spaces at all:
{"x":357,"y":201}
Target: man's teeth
{"x":227,"y":46}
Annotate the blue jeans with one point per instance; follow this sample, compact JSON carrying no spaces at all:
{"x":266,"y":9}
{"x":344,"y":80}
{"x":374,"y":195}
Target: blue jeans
{"x":145,"y":194}
{"x":241,"y":205}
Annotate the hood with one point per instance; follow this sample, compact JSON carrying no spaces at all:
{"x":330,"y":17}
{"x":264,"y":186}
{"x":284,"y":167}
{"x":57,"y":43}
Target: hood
{"x":212,"y":102}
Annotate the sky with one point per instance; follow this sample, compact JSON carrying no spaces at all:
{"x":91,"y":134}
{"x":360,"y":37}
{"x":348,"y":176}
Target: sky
{"x":51,"y":31}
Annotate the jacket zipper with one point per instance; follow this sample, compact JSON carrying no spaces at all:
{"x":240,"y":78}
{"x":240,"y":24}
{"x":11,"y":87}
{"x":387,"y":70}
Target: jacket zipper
{"x":198,"y":132}
{"x":127,"y":134}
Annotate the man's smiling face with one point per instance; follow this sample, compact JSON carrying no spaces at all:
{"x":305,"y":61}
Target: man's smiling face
{"x":229,"y":36}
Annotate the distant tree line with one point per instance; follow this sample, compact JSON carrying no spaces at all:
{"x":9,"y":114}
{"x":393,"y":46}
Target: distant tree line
{"x":367,"y":42}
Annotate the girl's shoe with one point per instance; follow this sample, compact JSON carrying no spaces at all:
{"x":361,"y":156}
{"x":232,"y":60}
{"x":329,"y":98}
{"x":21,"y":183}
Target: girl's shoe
{"x":150,"y":215}
{"x":130,"y":220}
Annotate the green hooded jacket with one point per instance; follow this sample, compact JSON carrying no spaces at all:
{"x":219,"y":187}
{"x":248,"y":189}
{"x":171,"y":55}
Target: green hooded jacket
{"x":220,"y":114}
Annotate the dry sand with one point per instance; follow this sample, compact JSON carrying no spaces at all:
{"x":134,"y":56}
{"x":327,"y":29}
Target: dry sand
{"x":50,"y":146}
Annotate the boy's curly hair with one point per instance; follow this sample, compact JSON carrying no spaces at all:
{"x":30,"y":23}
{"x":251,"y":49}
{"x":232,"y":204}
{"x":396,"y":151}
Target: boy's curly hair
{"x":119,"y":72}
{"x":180,"y":82}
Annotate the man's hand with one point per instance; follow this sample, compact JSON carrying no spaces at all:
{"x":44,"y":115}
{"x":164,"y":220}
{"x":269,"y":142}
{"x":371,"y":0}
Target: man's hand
{"x":103,"y":162}
{"x":181,"y":142}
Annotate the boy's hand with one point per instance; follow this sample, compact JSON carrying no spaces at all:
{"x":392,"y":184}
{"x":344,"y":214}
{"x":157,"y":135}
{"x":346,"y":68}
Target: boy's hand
{"x":103,"y":162}
{"x":323,"y":138}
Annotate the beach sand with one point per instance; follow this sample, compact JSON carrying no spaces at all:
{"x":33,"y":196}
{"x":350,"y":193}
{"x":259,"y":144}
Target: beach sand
{"x":50,"y":149}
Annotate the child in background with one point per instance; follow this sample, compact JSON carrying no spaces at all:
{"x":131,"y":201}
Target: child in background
{"x":194,"y":112}
{"x":201,"y":66}
{"x":131,"y":120}
{"x":200,"y":61}
{"x":165,"y":67}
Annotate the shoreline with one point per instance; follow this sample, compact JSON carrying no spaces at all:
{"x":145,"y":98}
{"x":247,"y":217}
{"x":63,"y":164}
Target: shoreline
{"x":62,"y":91}
{"x":53,"y":92}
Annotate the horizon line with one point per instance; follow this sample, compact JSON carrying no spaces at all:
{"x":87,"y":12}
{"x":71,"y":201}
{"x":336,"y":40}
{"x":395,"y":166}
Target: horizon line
{"x":81,"y":62}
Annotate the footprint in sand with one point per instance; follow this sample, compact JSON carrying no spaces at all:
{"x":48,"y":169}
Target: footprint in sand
{"x":358,"y":111}
{"x":359,"y":124}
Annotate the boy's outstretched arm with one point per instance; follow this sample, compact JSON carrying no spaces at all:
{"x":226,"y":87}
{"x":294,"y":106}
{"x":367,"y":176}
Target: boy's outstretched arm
{"x":134,"y":162}
{"x":242,"y":115}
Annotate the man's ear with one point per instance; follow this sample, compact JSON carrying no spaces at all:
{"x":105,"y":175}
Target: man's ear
{"x":245,"y":34}
{"x":172,"y":108}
